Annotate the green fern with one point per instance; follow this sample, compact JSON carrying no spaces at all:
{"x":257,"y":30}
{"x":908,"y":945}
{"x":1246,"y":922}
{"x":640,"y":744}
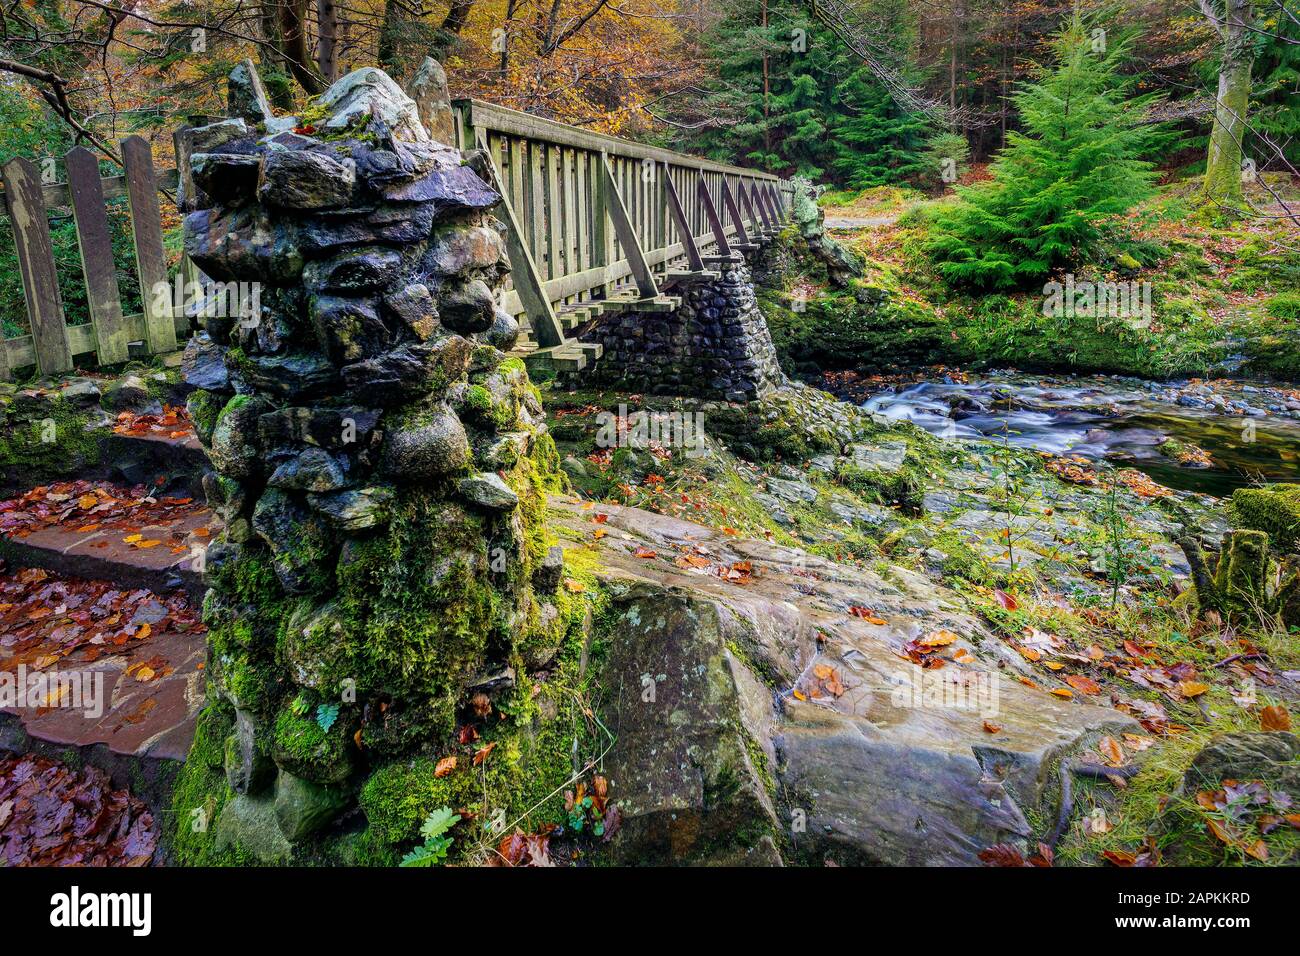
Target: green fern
{"x":434,"y":850}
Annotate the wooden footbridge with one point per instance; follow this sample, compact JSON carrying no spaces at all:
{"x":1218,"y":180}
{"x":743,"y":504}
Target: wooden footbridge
{"x":594,"y":223}
{"x":599,"y":223}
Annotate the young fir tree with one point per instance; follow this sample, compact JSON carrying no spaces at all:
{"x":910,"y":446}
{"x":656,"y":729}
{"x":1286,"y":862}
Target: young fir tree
{"x":1058,"y":185}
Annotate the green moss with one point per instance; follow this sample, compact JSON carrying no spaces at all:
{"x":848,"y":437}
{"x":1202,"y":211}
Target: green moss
{"x":200,"y":793}
{"x":305,"y":749}
{"x":904,"y":487}
{"x":54,"y":443}
{"x":1273,"y":509}
{"x":204,"y":408}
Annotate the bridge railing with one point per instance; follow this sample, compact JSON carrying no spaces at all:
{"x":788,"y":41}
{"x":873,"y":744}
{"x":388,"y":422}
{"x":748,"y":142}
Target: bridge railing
{"x":594,"y":217}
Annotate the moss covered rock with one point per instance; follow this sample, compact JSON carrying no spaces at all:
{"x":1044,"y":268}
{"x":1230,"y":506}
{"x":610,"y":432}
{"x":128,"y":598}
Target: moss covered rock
{"x":1273,"y":509}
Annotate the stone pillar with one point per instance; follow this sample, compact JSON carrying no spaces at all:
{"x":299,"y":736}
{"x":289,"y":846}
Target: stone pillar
{"x":380,"y":465}
{"x":715,"y":345}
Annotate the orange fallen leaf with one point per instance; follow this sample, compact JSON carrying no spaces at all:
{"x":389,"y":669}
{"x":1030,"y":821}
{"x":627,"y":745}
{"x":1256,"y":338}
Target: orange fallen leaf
{"x":939,"y":638}
{"x":1111,"y":750}
{"x":445,"y":766}
{"x":1084,"y":685}
{"x":991,"y":728}
{"x":1062,"y":693}
{"x":1191,"y":688}
{"x":1274,"y":717}
{"x":482,"y":754}
{"x":575,"y":587}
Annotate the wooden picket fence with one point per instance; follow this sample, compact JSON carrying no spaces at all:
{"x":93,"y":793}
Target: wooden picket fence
{"x":597,"y":222}
{"x":53,"y":346}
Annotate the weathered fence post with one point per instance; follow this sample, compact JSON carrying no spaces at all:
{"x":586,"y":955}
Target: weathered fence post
{"x":146,"y":227}
{"x":102,"y":294}
{"x":36,"y":263}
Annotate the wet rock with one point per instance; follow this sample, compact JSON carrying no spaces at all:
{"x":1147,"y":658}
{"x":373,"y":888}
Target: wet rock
{"x":241,"y":243}
{"x":446,"y":192}
{"x":234,"y":449}
{"x":305,"y":180}
{"x":81,"y":393}
{"x":409,"y":370}
{"x":468,"y":308}
{"x":547,"y":576}
{"x":303,"y":807}
{"x":369,"y":94}
{"x":348,"y":329}
{"x":347,"y":428}
{"x":504,"y":332}
{"x":203,"y":365}
{"x":292,"y":376}
{"x":299,"y":542}
{"x":249,"y":824}
{"x":433,"y":102}
{"x":686,"y":749}
{"x":358,"y":270}
{"x":487,"y":490}
{"x":413,"y":305}
{"x":355,"y":510}
{"x":233,"y":176}
{"x":459,"y":251}
{"x":248,"y":767}
{"x":1270,"y":757}
{"x":432,"y":446}
{"x":246,"y":96}
{"x":130,"y":394}
{"x":312,"y":469}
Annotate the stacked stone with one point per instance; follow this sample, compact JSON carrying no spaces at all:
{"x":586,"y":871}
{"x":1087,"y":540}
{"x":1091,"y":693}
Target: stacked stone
{"x":378,"y":460}
{"x":716,"y":345}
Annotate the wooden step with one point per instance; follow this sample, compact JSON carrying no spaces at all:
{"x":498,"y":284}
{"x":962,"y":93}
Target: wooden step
{"x":662,"y":303}
{"x":572,"y":356}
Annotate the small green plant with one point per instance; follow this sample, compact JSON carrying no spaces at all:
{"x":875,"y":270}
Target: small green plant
{"x":434,"y":850}
{"x":326,"y":714}
{"x":1117,"y":558}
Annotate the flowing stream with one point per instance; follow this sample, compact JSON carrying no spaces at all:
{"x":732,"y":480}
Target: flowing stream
{"x":1249,"y":431}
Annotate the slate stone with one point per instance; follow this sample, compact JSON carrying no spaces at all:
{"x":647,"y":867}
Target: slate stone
{"x":312,"y":469}
{"x":410,"y":370}
{"x":488,"y":490}
{"x":231,"y":177}
{"x":468,"y":307}
{"x":203,"y":366}
{"x":348,"y":329}
{"x":433,"y":446}
{"x":300,"y":180}
{"x":358,"y":270}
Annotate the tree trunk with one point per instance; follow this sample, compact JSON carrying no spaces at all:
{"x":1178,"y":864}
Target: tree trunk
{"x":327,"y":14}
{"x":1223,"y":163}
{"x":293,"y":32}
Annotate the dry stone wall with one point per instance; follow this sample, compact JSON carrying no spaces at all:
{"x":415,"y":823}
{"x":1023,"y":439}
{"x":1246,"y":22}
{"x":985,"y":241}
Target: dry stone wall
{"x":379,"y":462}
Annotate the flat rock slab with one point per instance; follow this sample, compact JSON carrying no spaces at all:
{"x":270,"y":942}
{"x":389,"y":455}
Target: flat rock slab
{"x":883,"y":761}
{"x":103,"y":554}
{"x":151,"y":719}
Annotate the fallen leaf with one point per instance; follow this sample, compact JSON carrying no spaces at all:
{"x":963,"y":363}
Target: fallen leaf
{"x":1274,"y":717}
{"x":445,"y":766}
